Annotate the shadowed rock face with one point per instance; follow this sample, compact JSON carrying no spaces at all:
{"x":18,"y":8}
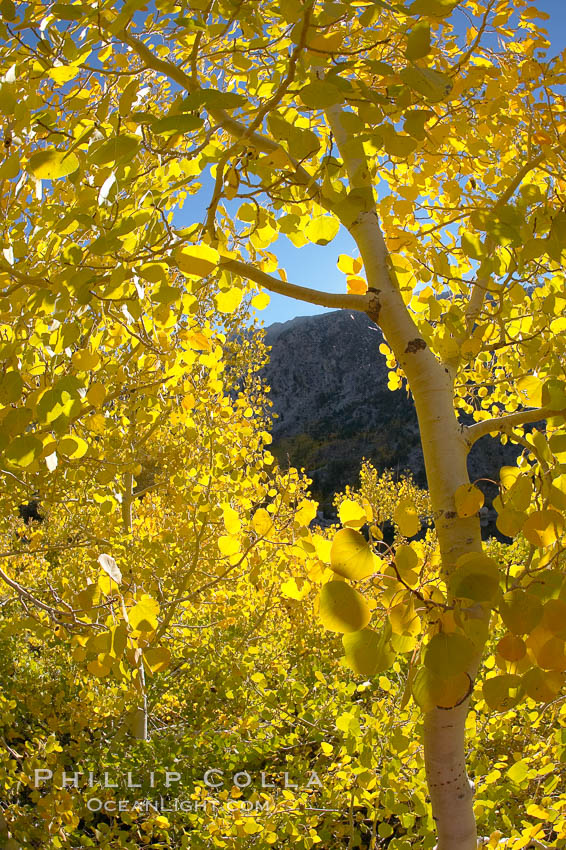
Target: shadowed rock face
{"x":329,"y":390}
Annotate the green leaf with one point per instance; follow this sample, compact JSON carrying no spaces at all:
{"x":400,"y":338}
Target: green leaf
{"x":51,"y":164}
{"x":24,"y":450}
{"x":431,"y":691}
{"x":472,"y":245}
{"x":418,"y":41}
{"x":449,"y":654}
{"x":433,"y":85}
{"x":502,"y":692}
{"x":320,"y":94}
{"x":518,"y":772}
{"x":114,"y":149}
{"x":520,"y":611}
{"x":67,"y":12}
{"x":477,"y":579}
{"x":367,"y":652}
{"x":396,"y":144}
{"x":72,"y":447}
{"x":351,"y":555}
{"x":434,"y":8}
{"x":342,"y":609}
{"x":213,"y":99}
{"x":11,"y":387}
{"x":414,"y":123}
{"x":181,"y":122}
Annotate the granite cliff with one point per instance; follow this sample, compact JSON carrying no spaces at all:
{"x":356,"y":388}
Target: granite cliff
{"x":332,"y":407}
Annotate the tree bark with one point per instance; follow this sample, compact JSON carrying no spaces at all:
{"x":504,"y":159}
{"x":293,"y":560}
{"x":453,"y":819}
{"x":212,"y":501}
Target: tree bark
{"x":445,"y":452}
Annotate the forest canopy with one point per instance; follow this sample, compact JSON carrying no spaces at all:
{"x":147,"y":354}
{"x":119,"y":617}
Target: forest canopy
{"x":171,"y":601}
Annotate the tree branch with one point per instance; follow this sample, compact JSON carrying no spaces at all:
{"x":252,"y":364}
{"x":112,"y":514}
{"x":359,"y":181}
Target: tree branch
{"x":480,"y":287}
{"x":334,"y":300}
{"x":504,"y":423}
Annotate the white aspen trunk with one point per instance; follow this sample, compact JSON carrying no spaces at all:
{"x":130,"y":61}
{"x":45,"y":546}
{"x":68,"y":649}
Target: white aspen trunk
{"x":445,"y":453}
{"x":444,"y":739}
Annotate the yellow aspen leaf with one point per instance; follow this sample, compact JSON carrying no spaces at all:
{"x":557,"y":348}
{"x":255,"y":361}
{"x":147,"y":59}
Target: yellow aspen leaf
{"x":322,"y":547}
{"x":502,"y":692}
{"x":530,"y":390}
{"x":294,"y":590}
{"x":543,"y":528}
{"x":510,"y":522}
{"x":356,"y":285}
{"x":326,"y":42}
{"x":342,"y":609}
{"x":405,"y":558}
{"x":228,"y":545}
{"x":511,"y":647}
{"x":261,"y":301}
{"x":418,"y":41}
{"x":72,"y":447}
{"x":306,"y":512}
{"x":430,"y":690}
{"x":542,"y":686}
{"x":349,"y":265}
{"x":85,"y":360}
{"x":403,"y":619}
{"x":196,"y":261}
{"x":51,"y":164}
{"x":11,"y":387}
{"x":188,"y":402}
{"x":551,"y":655}
{"x":63,"y":73}
{"x":469,"y":499}
{"x":471,"y":245}
{"x":96,"y":394}
{"x":101,"y":666}
{"x":476,"y":577}
{"x":198,"y":341}
{"x":229,"y":300}
{"x":143,"y":615}
{"x":520,"y":611}
{"x":351,"y":555}
{"x":406,"y":517}
{"x":157,"y":658}
{"x":322,"y":229}
{"x":351,"y":513}
{"x":262,"y":522}
{"x":231,"y":519}
{"x":118,"y":639}
{"x":554,"y":617}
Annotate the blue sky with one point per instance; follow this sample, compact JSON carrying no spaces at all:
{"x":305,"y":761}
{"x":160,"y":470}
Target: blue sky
{"x":315,"y":266}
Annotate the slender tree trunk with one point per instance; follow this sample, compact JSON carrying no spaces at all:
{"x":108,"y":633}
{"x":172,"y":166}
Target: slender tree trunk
{"x":445,"y":453}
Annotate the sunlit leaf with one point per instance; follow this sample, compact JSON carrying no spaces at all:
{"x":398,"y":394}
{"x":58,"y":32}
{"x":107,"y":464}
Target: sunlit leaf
{"x":342,"y":609}
{"x":351,"y":555}
{"x":51,"y":164}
